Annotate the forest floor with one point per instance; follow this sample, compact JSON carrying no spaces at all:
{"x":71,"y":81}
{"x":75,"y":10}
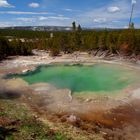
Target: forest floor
{"x":59,"y":115}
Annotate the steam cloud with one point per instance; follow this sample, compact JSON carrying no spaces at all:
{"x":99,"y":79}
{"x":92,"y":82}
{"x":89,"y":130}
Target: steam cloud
{"x":134,"y":1}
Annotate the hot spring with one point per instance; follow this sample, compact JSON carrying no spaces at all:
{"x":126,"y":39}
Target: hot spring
{"x":79,"y":78}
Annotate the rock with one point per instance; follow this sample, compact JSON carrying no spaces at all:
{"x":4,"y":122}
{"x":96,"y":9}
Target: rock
{"x":70,"y":96}
{"x":114,"y":119}
{"x":104,"y":133}
{"x":24,"y":71}
{"x":72,"y":119}
{"x":136,"y":94}
{"x":88,"y":100}
{"x":138,"y":62}
{"x":29,"y":98}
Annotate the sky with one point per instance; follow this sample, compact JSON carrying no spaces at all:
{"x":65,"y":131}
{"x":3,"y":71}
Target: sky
{"x":87,"y":13}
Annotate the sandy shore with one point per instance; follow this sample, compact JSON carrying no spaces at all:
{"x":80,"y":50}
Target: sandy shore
{"x":106,"y":110}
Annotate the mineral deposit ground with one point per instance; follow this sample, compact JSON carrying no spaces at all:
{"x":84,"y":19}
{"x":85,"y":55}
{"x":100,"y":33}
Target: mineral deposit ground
{"x":79,"y":114}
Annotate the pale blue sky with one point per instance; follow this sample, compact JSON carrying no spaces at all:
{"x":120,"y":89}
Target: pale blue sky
{"x":88,"y":13}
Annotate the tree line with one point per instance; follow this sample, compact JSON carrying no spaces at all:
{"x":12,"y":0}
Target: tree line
{"x":125,"y":41}
{"x":15,"y":47}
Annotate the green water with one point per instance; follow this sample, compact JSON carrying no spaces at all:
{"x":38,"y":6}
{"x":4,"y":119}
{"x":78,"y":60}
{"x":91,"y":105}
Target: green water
{"x":99,"y":77}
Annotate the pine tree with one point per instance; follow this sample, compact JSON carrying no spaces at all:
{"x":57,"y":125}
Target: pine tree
{"x":74,"y":26}
{"x":79,"y":29}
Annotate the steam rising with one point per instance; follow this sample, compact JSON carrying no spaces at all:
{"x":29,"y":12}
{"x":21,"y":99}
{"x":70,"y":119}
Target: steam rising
{"x":134,"y":1}
{"x":81,"y":78}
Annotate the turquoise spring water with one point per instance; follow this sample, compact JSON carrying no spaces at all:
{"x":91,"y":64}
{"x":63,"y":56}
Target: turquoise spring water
{"x":79,"y":78}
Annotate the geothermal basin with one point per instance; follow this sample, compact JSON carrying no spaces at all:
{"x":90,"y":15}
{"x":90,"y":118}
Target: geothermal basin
{"x":105,"y":94}
{"x":98,"y":78}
